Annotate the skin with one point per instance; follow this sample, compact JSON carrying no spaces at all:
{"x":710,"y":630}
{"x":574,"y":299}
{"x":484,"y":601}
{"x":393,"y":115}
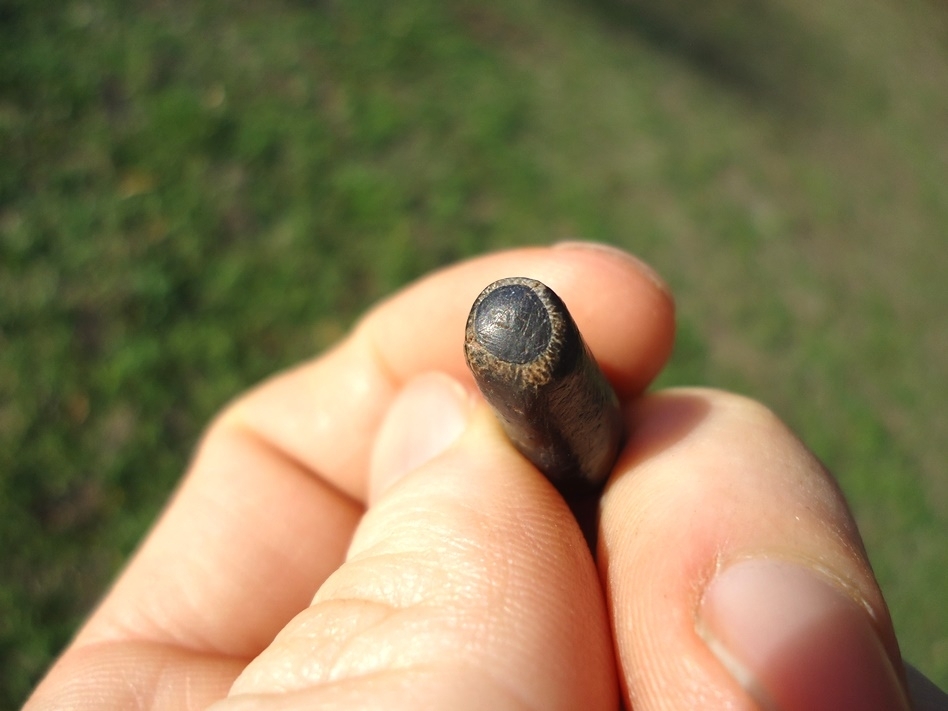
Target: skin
{"x":357,"y":533}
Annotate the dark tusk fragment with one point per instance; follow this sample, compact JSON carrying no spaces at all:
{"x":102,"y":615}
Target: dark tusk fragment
{"x":534,"y":369}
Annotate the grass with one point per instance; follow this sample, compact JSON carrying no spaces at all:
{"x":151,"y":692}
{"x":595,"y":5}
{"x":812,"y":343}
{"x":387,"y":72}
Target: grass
{"x":192,"y":197}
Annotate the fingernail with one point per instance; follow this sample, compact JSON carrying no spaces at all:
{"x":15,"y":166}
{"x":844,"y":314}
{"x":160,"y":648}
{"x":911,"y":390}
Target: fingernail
{"x":424,"y":420}
{"x":795,"y":642}
{"x":645,"y":269}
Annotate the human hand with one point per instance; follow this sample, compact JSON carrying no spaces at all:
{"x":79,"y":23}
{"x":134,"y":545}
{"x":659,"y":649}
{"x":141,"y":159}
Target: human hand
{"x":357,"y":533}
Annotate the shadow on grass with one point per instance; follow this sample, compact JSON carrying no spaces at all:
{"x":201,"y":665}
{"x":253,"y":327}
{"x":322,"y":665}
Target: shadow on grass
{"x":760,"y":50}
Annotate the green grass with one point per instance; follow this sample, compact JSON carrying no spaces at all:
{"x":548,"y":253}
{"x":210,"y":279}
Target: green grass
{"x":193,"y":196}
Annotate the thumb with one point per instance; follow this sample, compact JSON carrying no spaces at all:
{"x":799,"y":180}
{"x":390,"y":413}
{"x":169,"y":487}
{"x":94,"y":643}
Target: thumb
{"x":760,"y":594}
{"x":467,"y":585}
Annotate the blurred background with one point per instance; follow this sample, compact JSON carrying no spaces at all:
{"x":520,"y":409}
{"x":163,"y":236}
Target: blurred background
{"x":196,"y":194}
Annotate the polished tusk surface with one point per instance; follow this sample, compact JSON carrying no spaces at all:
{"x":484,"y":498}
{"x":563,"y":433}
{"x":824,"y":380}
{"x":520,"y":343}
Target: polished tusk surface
{"x":536,"y":372}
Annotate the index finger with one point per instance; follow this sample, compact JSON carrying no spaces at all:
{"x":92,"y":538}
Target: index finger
{"x":323,"y":413}
{"x":268,"y":507}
